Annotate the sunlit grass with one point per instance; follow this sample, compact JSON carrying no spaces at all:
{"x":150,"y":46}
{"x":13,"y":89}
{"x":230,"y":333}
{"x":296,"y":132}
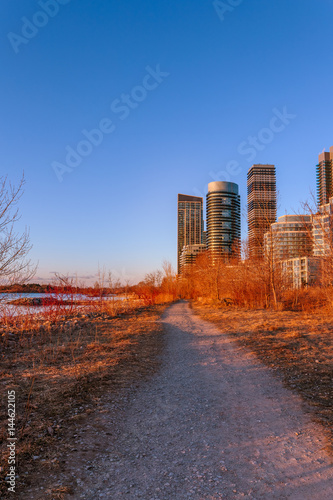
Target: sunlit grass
{"x":59,"y":365}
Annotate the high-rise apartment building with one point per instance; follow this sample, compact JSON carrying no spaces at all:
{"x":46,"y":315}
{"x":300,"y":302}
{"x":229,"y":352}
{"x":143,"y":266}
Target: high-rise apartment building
{"x":289,"y":238}
{"x":190,"y":223}
{"x":223,"y":219}
{"x":322,"y":230}
{"x":325,"y":177}
{"x":261,"y":206}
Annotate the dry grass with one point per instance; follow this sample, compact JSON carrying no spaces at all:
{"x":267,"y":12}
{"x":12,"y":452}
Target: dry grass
{"x":298,"y":345}
{"x":60,"y":370}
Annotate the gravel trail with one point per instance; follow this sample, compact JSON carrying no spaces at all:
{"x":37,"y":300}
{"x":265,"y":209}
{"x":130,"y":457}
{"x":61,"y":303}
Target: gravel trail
{"x":213,"y":423}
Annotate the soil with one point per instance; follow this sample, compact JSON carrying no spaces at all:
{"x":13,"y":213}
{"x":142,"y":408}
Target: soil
{"x":214,"y":422}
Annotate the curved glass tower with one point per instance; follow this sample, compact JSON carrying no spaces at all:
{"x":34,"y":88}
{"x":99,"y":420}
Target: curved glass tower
{"x":223,"y":219}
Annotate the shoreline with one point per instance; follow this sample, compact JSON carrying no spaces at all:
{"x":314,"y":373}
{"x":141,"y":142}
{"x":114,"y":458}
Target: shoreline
{"x":60,"y":373}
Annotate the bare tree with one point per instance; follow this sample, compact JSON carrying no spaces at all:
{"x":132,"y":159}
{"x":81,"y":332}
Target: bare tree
{"x":115,"y":283}
{"x":321,"y":234}
{"x":15,"y":267}
{"x":64,"y":281}
{"x":154,"y":279}
{"x":206,"y":278}
{"x":169,"y":281}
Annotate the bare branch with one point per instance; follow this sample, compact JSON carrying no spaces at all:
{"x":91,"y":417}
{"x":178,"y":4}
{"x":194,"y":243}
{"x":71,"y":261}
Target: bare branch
{"x":15,"y":267}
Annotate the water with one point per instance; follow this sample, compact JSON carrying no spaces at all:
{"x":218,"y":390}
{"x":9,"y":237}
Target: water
{"x":15,"y":310}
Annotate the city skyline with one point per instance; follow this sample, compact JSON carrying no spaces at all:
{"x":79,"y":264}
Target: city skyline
{"x":295,"y":240}
{"x":111,"y":111}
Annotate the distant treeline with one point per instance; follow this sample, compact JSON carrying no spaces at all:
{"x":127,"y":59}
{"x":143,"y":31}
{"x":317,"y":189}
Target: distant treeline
{"x":29,"y":288}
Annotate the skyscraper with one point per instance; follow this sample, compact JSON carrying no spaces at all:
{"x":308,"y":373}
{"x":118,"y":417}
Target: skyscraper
{"x":190,"y":223}
{"x":223,"y":219}
{"x":261,"y":206}
{"x":325,"y":177}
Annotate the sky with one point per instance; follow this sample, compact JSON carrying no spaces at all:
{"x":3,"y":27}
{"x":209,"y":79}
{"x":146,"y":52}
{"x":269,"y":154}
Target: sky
{"x":113,"y":108}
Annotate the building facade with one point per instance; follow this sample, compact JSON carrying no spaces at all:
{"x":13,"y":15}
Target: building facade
{"x":325,"y":177}
{"x":302,"y":271}
{"x":190,"y":223}
{"x":223,"y":219}
{"x":204,"y":238}
{"x":322,"y":230}
{"x":189,"y":255}
{"x":290,"y":237}
{"x":261,"y":206}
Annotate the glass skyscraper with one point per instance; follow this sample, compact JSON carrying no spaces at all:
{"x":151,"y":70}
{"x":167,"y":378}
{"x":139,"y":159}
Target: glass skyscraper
{"x":261,"y":206}
{"x":190,"y":223}
{"x":223,"y":219}
{"x":325,"y":177}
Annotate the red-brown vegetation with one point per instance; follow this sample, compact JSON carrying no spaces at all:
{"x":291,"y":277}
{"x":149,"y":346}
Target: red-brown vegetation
{"x":61,"y":366}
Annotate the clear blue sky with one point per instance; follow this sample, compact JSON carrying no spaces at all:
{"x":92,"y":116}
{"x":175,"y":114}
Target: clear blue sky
{"x":227,"y":72}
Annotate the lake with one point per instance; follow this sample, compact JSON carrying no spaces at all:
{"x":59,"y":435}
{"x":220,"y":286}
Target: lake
{"x":12,"y":309}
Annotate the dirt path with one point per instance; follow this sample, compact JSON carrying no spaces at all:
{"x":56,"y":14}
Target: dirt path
{"x":213,"y":423}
